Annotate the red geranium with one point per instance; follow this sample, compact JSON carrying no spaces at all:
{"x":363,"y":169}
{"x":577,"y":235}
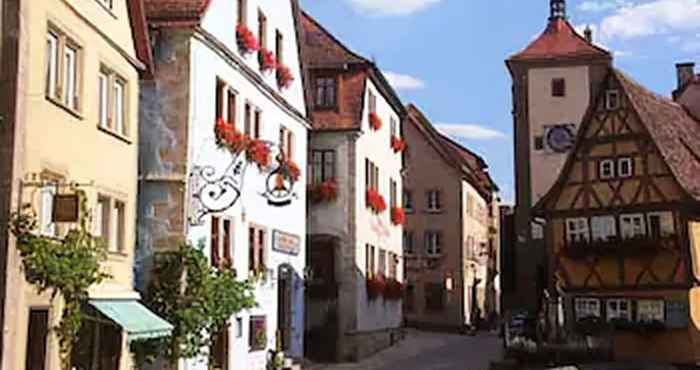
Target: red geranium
{"x":247,"y":42}
{"x":393,"y":290}
{"x":228,"y":137}
{"x":375,"y":287}
{"x":398,"y":216}
{"x":326,"y":191}
{"x":374,"y":121}
{"x":376,"y":201}
{"x":284,"y":76}
{"x":294,"y":171}
{"x":268,"y":62}
{"x":259,"y":153}
{"x":398,"y":144}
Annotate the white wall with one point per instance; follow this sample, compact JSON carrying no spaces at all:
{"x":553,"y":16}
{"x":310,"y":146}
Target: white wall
{"x":377,"y":230}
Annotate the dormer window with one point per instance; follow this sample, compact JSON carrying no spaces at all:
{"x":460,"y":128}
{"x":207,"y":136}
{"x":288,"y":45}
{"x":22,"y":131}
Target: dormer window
{"x":612,"y":99}
{"x":558,"y":88}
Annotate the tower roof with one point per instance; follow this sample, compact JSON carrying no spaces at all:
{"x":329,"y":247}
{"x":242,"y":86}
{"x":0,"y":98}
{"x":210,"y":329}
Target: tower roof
{"x":560,"y":41}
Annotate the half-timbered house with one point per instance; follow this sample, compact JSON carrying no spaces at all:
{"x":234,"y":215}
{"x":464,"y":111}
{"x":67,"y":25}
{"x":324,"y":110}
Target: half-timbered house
{"x":618,"y":224}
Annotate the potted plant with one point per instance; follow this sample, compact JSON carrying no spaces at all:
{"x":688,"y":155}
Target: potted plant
{"x":247,"y":43}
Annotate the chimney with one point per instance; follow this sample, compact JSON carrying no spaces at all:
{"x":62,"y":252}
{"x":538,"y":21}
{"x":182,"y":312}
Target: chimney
{"x":685,"y":73}
{"x":588,"y":34}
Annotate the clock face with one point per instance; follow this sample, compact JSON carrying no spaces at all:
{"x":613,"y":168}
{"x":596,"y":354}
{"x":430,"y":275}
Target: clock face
{"x":560,"y":138}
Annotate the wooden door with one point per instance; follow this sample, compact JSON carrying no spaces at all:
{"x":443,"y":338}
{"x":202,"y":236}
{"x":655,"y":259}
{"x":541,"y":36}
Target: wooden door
{"x":36,"y":340}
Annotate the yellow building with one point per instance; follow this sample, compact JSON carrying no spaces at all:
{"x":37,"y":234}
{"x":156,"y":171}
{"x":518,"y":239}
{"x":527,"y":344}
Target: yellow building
{"x":69,"y":98}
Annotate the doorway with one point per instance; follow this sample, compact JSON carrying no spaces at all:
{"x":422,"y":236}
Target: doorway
{"x":284,"y":306}
{"x":36,"y":339}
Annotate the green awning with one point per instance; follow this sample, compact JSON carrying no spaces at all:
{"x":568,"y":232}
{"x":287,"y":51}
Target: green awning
{"x":138,"y":321}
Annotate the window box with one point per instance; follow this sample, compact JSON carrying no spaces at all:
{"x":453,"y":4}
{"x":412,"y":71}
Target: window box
{"x":259,"y":153}
{"x":394,"y":290}
{"x":284,"y":76}
{"x":398,"y":144}
{"x":268,"y":61}
{"x":247,"y":43}
{"x":398,"y":216}
{"x":326,"y":191}
{"x":375,"y":287}
{"x":375,"y":201}
{"x":375,"y":123}
{"x":228,"y":137}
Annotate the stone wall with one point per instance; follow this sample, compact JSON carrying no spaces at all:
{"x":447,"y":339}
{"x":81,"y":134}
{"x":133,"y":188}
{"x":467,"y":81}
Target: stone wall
{"x":362,"y":345}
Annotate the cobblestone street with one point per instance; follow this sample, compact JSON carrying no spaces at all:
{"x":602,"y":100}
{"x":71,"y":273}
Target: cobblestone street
{"x":431,"y":351}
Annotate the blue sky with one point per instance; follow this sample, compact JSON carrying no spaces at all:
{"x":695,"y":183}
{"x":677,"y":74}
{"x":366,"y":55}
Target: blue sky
{"x":447,"y":56}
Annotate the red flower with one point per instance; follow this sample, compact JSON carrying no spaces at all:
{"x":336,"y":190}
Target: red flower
{"x":375,"y":287}
{"x":259,"y":153}
{"x":374,"y":121}
{"x":398,"y":144}
{"x":268,"y":60}
{"x":284,"y":76}
{"x":393,"y":290}
{"x":376,"y":201}
{"x":398,"y":216}
{"x":247,"y":43}
{"x":326,"y":191}
{"x":228,"y":137}
{"x":294,"y":171}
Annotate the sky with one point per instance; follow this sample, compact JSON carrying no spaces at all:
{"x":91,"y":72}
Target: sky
{"x":447,"y":56}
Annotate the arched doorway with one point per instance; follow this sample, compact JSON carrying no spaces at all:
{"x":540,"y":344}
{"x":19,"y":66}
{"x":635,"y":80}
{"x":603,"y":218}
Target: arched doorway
{"x":285,"y":299}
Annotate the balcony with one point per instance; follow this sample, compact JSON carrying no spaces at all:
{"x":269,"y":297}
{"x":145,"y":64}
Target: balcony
{"x":638,"y":246}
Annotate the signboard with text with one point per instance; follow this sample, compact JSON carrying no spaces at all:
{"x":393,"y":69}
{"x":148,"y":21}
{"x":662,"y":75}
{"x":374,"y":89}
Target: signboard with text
{"x":285,"y":242}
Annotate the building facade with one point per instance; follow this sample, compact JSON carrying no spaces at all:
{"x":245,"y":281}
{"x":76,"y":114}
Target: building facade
{"x":72,"y":126}
{"x":621,"y":230}
{"x":223,"y":161}
{"x":555,"y":79}
{"x":451,"y":235}
{"x":355,"y":215}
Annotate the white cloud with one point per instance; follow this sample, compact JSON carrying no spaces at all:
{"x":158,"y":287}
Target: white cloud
{"x":390,"y":7}
{"x":652,"y":18}
{"x":622,"y":53}
{"x":469,"y":131}
{"x":601,"y":6}
{"x":403,"y":82}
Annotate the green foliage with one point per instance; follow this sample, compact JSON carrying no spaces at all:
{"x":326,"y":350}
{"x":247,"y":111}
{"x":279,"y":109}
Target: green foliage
{"x":196,"y":298}
{"x":67,"y":267}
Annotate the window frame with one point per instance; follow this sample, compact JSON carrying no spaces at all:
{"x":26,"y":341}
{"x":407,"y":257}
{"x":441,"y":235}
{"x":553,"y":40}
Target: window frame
{"x":606,"y":164}
{"x":630,"y":167}
{"x":408,"y":201}
{"x":432,"y":240}
{"x":663,"y":216}
{"x":606,"y":234}
{"x":610,"y":103}
{"x":558,"y":88}
{"x":57,"y":90}
{"x":433,"y":205}
{"x":408,"y":242}
{"x":326,"y":89}
{"x":627,"y":230}
{"x":257,"y":252}
{"x":617,"y":313}
{"x":586,"y":303}
{"x":70,"y":93}
{"x":52,"y":82}
{"x":46,"y":204}
{"x":582,"y":227}
{"x":323,"y":167}
{"x":649,"y":317}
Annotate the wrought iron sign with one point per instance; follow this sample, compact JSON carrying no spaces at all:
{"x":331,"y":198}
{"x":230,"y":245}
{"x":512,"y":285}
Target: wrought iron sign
{"x":214,"y":192}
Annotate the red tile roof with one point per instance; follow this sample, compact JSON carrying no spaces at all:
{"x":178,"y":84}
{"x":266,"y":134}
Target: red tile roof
{"x":322,"y":48}
{"x":560,"y":41}
{"x":139,"y":30}
{"x":178,"y":12}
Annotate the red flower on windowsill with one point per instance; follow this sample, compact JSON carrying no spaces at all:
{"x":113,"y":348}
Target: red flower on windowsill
{"x":374,"y":121}
{"x":326,"y":191}
{"x":259,"y":153}
{"x":267,"y":61}
{"x":247,"y":43}
{"x":228,"y":137}
{"x":376,"y":201}
{"x":398,"y":216}
{"x":393,"y":290}
{"x":398,"y":144}
{"x":375,"y":287}
{"x":284,"y":76}
{"x":294,"y":171}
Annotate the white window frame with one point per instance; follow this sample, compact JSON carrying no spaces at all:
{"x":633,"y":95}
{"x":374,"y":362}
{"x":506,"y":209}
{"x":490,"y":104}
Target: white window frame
{"x":119,"y":90}
{"x":53,"y":41}
{"x":603,"y":228}
{"x":628,"y":229}
{"x":103,"y":220}
{"x":607,"y":169}
{"x":587,"y":307}
{"x":630,"y":169}
{"x":46,"y":225}
{"x":609,"y":94}
{"x":433,"y":243}
{"x":616,"y":312}
{"x":70,"y":76}
{"x":103,"y":99}
{"x":434,"y":200}
{"x":649,"y":310}
{"x":577,"y":229}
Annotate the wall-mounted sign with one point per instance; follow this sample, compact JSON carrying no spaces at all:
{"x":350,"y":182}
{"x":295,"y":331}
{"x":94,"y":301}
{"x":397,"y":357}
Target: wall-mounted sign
{"x":66,"y":208}
{"x":285,"y":242}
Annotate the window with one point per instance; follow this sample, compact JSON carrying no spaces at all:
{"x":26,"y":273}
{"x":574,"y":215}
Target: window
{"x":119,"y":226}
{"x":242,"y":12}
{"x":434,"y":297}
{"x":408,"y":246}
{"x":110,"y":222}
{"x":256,"y":249}
{"x":279,"y":47}
{"x":106,"y":3}
{"x":369,"y":260}
{"x":219,"y":348}
{"x":103,"y":97}
{"x":70,"y":79}
{"x":262,"y":36}
{"x":577,"y":230}
{"x":393,"y":265}
{"x":226,"y":245}
{"x":98,"y":347}
{"x":46,"y":225}
{"x":325,"y":92}
{"x":632,"y":226}
{"x":239,"y":327}
{"x":651,"y":310}
{"x":661,"y":224}
{"x":603,"y":228}
{"x":372,"y":102}
{"x":410,"y":300}
{"x":215,"y":241}
{"x":539,"y":142}
{"x":37,"y":335}
{"x":587,"y":307}
{"x":257,"y":123}
{"x":618,"y":309}
{"x":434,"y":203}
{"x":286,"y":141}
{"x":258,"y":333}
{"x":119,"y":126}
{"x":612,"y":99}
{"x":433,"y":243}
{"x":558,"y":87}
{"x":225,"y":102}
{"x":323,"y":162}
{"x":624,"y":167}
{"x":102,"y":219}
{"x":392,"y":193}
{"x":51,"y":65}
{"x":408,"y":200}
{"x":381,"y":266}
{"x":247,"y":117}
{"x":607,"y":169}
{"x":371,"y":176}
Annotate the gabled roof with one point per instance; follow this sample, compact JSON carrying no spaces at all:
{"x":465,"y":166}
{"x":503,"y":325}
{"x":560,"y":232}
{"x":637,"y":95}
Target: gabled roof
{"x":176,"y":12}
{"x":673,"y":131}
{"x":560,"y":41}
{"x":324,"y":49}
{"x":472,"y":167}
{"x":139,"y":31}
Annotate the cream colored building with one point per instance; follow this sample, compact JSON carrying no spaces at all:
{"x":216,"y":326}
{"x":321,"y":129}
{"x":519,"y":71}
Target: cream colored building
{"x":70,"y":93}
